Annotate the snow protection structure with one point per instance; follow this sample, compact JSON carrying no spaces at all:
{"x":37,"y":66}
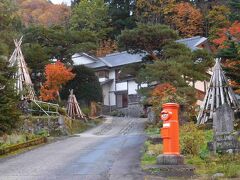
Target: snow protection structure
{"x":73,"y":109}
{"x":23,"y":83}
{"x":218,"y":94}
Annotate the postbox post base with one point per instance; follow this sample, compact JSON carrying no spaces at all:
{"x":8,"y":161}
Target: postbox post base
{"x":165,"y":159}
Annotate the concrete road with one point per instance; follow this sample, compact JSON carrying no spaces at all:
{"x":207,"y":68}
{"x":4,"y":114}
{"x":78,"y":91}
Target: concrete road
{"x":108,"y":152}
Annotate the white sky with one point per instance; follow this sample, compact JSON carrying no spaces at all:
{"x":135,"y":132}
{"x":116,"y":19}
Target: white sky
{"x":68,"y":2}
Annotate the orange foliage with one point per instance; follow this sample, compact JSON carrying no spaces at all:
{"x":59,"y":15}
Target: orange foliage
{"x":43,"y":12}
{"x":163,"y":90}
{"x":161,"y":94}
{"x":233,"y":65}
{"x":225,"y":34}
{"x":56,"y":76}
{"x":106,"y":47}
{"x":187,"y":20}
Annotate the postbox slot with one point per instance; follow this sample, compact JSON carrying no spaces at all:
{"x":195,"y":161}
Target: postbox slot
{"x":165,"y":132}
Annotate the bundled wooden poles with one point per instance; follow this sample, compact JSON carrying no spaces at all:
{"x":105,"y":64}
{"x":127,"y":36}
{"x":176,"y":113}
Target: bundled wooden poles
{"x":218,"y":93}
{"x":23,"y":81}
{"x":73,"y":108}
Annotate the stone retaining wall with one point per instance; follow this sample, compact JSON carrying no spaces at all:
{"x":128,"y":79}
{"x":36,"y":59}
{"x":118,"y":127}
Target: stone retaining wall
{"x":16,"y":147}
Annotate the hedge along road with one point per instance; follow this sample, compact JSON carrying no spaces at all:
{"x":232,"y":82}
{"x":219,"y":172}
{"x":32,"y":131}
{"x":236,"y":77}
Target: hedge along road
{"x":108,"y":152}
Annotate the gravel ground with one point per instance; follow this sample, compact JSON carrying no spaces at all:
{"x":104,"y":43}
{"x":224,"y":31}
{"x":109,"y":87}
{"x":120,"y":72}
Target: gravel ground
{"x":111,"y":151}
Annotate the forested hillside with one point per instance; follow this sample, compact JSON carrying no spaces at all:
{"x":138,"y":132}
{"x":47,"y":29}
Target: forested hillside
{"x":43,"y":12}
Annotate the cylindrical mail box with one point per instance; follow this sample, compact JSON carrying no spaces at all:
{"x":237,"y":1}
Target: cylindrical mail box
{"x":170,"y":129}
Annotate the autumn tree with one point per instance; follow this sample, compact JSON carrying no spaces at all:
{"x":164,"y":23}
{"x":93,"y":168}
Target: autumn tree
{"x":228,"y":43}
{"x":106,"y":47}
{"x":56,"y":75}
{"x":217,"y":18}
{"x":154,"y":11}
{"x":164,"y":93}
{"x":187,"y":20}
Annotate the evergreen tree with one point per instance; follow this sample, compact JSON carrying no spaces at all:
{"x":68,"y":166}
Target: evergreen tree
{"x":92,"y":16}
{"x":148,"y":38}
{"x":85,"y":85}
{"x":122,"y":15}
{"x":57,"y":43}
{"x":75,"y":2}
{"x":8,"y":99}
{"x":235,"y":9}
{"x":166,"y":61}
{"x":9,"y":24}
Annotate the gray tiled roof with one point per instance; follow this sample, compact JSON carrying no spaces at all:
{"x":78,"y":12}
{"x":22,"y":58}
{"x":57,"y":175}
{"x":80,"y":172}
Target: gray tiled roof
{"x":123,"y":58}
{"x":116,"y":59}
{"x":192,"y":42}
{"x":97,"y":64}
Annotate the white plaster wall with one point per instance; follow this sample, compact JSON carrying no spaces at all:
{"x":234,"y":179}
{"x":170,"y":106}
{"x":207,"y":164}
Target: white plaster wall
{"x":121,"y":86}
{"x":112,"y":97}
{"x":112,"y":74}
{"x":112,"y":88}
{"x":102,"y":79}
{"x":132,"y":87}
{"x":105,"y":89}
{"x":199,"y":85}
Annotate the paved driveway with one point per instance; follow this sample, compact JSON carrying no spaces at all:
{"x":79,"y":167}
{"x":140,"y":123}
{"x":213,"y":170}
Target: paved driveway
{"x":108,"y":152}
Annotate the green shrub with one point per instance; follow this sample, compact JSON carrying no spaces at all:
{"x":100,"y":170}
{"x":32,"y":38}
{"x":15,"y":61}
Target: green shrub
{"x":191,"y":139}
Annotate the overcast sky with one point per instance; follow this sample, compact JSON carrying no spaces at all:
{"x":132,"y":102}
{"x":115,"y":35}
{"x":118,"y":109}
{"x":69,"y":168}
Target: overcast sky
{"x":68,"y":2}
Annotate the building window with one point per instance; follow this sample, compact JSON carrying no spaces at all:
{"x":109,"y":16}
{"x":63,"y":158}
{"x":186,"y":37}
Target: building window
{"x":102,"y":74}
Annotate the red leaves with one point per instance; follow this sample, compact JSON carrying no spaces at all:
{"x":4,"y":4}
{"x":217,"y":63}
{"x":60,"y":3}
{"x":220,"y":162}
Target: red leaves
{"x":225,"y":34}
{"x":56,"y":76}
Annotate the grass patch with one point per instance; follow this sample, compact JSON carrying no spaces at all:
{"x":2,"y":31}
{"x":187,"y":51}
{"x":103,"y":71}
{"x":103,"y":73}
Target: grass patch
{"x":227,"y":164}
{"x":150,"y":153}
{"x":194,"y":148}
{"x":148,"y":159}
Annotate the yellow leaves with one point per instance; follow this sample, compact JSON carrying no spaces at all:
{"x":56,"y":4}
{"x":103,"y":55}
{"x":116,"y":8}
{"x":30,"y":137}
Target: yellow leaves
{"x":218,"y":16}
{"x":155,"y":9}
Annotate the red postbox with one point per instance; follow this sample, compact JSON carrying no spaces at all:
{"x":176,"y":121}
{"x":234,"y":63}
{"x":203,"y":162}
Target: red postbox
{"x":170,"y":130}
